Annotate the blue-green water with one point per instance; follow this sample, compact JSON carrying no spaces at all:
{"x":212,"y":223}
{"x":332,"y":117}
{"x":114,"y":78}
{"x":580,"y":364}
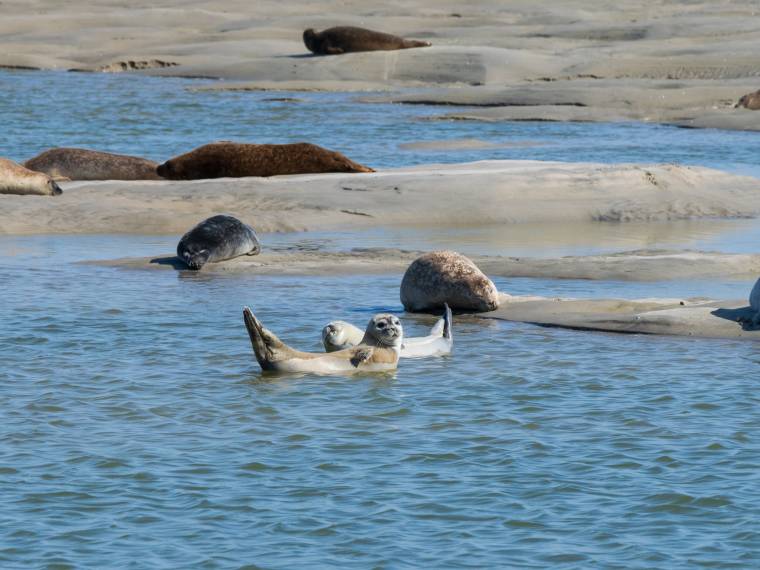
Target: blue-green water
{"x":136,"y":429}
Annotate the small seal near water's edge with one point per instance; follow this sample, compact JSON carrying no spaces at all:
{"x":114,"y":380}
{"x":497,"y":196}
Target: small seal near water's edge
{"x":17,"y":179}
{"x":85,"y":164}
{"x":236,"y":160}
{"x":749,"y":101}
{"x":377,"y":352}
{"x":216,"y":239}
{"x":347,"y":39}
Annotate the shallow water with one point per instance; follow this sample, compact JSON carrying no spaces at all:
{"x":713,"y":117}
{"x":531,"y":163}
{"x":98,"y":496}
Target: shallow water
{"x":137,"y":430}
{"x":160,"y":117}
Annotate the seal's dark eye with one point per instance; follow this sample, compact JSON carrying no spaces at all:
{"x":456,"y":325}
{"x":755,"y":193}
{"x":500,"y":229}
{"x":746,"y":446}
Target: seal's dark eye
{"x":381,"y":325}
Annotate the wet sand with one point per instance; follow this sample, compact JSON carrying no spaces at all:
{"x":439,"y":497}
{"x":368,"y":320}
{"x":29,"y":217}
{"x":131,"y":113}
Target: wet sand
{"x":680,"y":63}
{"x":444,"y":196}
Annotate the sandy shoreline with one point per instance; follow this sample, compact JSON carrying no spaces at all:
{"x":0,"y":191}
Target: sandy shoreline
{"x":446,"y":196}
{"x":683,"y":64}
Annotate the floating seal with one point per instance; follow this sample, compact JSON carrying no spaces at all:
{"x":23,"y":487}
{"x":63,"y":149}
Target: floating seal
{"x":84,"y":164}
{"x":16,"y":179}
{"x":236,"y":160}
{"x":346,"y":39}
{"x":749,"y":101}
{"x":447,"y":277}
{"x":377,"y":352}
{"x":216,"y":239}
{"x":339,"y":335}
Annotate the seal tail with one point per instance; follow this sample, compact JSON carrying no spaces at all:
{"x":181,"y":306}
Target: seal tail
{"x":265,"y":343}
{"x":447,"y":332}
{"x":415,"y":44}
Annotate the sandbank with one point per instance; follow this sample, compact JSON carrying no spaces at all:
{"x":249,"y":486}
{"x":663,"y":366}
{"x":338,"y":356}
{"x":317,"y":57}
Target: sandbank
{"x":446,"y":196}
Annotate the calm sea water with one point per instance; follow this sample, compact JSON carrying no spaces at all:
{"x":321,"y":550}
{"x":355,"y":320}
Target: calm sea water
{"x":136,"y":429}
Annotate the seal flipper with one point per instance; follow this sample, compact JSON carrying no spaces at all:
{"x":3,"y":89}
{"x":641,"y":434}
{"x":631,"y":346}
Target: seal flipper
{"x":362,"y":354}
{"x":447,"y":333}
{"x":265,"y":343}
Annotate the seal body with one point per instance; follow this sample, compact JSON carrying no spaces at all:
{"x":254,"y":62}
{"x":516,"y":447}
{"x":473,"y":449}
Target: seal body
{"x":347,"y":39}
{"x":17,"y":179}
{"x":236,"y":160}
{"x":377,"y":352}
{"x":216,"y":239}
{"x":750,"y":101}
{"x":447,"y":277}
{"x":339,"y":335}
{"x":84,"y":164}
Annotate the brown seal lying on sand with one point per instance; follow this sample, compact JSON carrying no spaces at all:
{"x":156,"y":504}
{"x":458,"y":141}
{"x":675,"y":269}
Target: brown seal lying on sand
{"x":440,"y":277}
{"x":84,"y":164}
{"x":15,"y":179}
{"x":749,"y":101}
{"x":236,"y":160}
{"x":346,"y":39}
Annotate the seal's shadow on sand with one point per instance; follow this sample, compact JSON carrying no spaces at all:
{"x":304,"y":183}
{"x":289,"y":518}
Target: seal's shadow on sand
{"x":742,"y":316}
{"x":173,"y":261}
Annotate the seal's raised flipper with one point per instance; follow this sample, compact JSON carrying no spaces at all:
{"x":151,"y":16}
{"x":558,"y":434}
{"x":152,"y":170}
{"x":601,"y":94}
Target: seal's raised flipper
{"x":266,"y":346}
{"x":447,"y":333}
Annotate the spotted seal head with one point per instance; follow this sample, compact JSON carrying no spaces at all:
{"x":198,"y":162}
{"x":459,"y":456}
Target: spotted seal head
{"x":347,"y":39}
{"x":17,"y":179}
{"x":749,"y":101}
{"x":216,"y":239}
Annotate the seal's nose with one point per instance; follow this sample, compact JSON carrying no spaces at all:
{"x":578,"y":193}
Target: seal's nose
{"x":56,"y":189}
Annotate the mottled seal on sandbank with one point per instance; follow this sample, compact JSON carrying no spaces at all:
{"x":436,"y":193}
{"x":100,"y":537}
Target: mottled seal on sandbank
{"x":339,"y":335}
{"x":378,"y":351}
{"x":236,"y":160}
{"x":85,"y":164}
{"x":17,"y":179}
{"x":749,"y":101}
{"x":346,"y":39}
{"x":216,"y":239}
{"x":440,"y":277}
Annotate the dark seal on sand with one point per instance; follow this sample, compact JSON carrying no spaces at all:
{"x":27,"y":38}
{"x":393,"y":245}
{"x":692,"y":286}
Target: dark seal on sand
{"x":749,"y":101}
{"x":447,"y":277}
{"x":216,"y":239}
{"x":84,"y":164}
{"x":346,"y":39}
{"x":236,"y":160}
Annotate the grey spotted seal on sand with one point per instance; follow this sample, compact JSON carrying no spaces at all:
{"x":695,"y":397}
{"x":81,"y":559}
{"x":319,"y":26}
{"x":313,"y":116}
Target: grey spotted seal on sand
{"x":378,"y":351}
{"x":85,"y":164}
{"x":235,"y":160}
{"x":339,"y":335}
{"x":17,"y":179}
{"x":749,"y":101}
{"x":347,"y":39}
{"x":216,"y":239}
{"x":449,"y":277}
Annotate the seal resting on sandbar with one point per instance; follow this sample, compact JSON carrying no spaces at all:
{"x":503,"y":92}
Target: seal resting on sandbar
{"x":449,"y":277}
{"x":346,"y":39}
{"x":378,"y":351}
{"x":754,"y":303}
{"x":339,"y":335}
{"x":749,"y":101}
{"x":216,"y":239}
{"x":16,"y":179}
{"x":237,"y":160}
{"x":85,"y":164}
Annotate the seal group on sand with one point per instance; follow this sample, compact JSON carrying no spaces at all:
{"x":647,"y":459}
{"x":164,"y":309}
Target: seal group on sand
{"x":216,"y":239}
{"x":236,"y":160}
{"x":85,"y":164}
{"x":17,"y":179}
{"x":378,"y":351}
{"x":346,"y":39}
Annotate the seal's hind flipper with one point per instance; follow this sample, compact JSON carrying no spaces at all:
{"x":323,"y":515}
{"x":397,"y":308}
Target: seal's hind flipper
{"x":264,"y":342}
{"x":447,"y":332}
